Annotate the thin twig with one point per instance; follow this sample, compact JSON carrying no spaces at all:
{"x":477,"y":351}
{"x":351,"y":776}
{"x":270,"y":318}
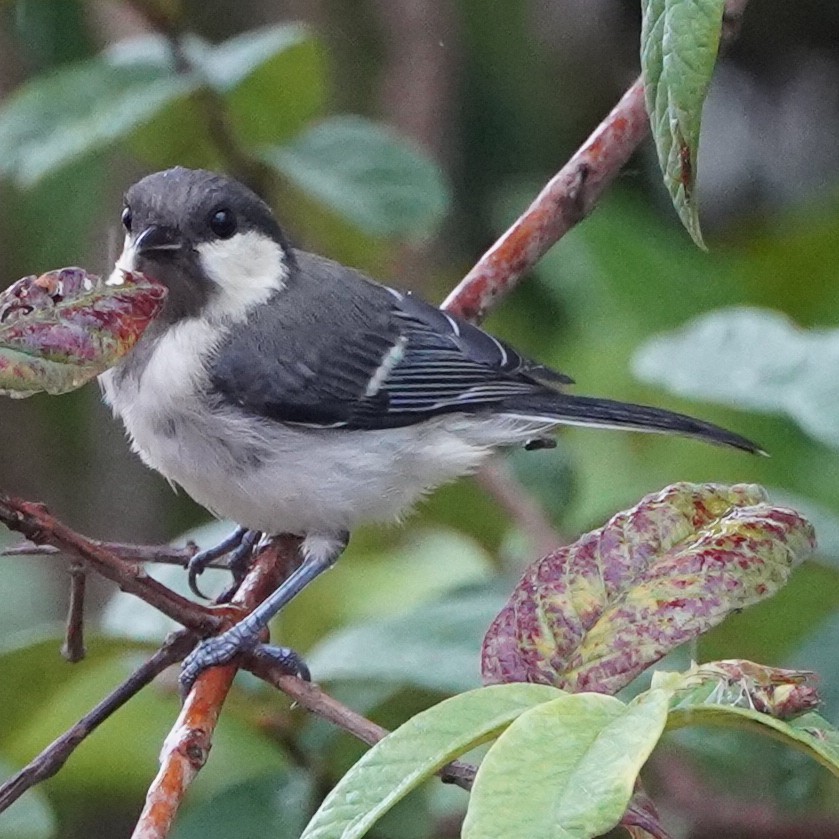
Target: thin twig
{"x":159,"y":554}
{"x":188,"y":743}
{"x":73,"y":649}
{"x":37,"y":525}
{"x":311,"y":697}
{"x":52,"y":758}
{"x":498,"y":481}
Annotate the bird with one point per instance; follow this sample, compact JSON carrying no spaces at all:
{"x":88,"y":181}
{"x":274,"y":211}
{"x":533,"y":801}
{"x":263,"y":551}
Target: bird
{"x":292,"y":394}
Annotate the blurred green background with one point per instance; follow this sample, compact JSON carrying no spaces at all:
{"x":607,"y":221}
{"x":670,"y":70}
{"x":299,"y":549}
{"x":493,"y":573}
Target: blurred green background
{"x":401,"y":136}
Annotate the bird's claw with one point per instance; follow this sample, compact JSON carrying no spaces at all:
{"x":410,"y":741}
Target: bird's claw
{"x":286,"y":658}
{"x":222,"y":649}
{"x":238,"y":544}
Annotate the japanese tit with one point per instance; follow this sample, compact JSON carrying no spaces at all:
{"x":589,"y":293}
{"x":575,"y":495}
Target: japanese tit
{"x":295,"y":395}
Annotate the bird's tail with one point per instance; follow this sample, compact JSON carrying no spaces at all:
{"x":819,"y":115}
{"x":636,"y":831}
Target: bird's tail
{"x":567,"y":409}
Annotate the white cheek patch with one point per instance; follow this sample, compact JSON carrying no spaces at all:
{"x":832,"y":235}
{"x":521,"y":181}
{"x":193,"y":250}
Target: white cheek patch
{"x":126,"y":263}
{"x":247,"y":268}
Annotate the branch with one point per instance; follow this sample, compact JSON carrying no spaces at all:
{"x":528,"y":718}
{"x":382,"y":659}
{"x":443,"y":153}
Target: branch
{"x":52,"y":758}
{"x":186,"y":747}
{"x":161,"y":554}
{"x":567,"y":199}
{"x":37,"y":525}
{"x":73,"y":649}
{"x":313,"y":699}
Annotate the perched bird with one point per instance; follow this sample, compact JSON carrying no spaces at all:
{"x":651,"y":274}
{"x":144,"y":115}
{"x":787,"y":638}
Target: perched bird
{"x":294,"y":395}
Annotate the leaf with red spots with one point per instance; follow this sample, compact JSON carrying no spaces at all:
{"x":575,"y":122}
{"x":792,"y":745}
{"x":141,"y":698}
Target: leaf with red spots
{"x":591,"y":616}
{"x":61,"y":329}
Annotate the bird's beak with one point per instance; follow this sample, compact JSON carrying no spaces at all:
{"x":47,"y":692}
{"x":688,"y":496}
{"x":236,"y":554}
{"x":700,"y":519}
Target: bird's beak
{"x":156,"y":238}
{"x":153,"y":240}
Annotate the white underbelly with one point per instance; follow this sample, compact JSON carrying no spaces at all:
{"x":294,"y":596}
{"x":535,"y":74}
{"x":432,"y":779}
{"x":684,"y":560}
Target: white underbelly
{"x":283,"y":478}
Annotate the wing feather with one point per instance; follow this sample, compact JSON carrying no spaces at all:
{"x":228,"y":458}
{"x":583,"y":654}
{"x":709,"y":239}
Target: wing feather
{"x":319,"y":355}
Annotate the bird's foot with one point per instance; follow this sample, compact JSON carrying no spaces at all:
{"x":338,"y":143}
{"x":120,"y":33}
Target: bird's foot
{"x":238,"y":546}
{"x":319,"y":553}
{"x":222,"y":649}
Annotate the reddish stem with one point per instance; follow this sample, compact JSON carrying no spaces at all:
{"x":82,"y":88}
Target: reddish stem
{"x":567,"y":199}
{"x":186,"y":747}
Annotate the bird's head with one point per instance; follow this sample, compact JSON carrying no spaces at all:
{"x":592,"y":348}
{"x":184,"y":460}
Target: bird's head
{"x":212,"y":241}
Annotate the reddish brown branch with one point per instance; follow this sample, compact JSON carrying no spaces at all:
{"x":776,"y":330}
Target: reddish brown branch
{"x":188,"y":743}
{"x":52,"y":758}
{"x":567,"y":199}
{"x":160,"y":554}
{"x":37,"y":525}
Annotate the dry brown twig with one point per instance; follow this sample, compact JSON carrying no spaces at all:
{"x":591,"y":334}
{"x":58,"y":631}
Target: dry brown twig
{"x":73,"y":649}
{"x":38,"y":526}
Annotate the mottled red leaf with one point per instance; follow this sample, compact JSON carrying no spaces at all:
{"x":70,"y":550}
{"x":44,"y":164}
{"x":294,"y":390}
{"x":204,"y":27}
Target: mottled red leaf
{"x":61,"y":329}
{"x":593,"y":615}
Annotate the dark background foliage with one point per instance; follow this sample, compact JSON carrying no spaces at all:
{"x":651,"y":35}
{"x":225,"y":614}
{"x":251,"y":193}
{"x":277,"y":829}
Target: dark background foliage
{"x":498,"y":96}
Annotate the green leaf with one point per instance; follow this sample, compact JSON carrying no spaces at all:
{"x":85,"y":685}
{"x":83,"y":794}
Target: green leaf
{"x":751,"y":358}
{"x":417,"y":749}
{"x":275,"y":805}
{"x":810,"y":733}
{"x":593,"y":615}
{"x":63,"y":116}
{"x":273,"y":80}
{"x":30,"y":817}
{"x":433,"y":646}
{"x":364,"y":172}
{"x":679,"y":43}
{"x":565,"y":769}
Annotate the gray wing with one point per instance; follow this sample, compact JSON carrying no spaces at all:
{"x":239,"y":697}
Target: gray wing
{"x":336,"y":349}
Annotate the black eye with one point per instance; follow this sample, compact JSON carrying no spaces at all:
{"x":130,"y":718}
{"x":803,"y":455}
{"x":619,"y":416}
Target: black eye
{"x":126,"y":219}
{"x":223,"y":223}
